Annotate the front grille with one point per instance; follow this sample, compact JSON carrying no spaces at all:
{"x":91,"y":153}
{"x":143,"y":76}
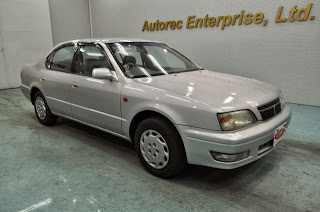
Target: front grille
{"x":270,"y":109}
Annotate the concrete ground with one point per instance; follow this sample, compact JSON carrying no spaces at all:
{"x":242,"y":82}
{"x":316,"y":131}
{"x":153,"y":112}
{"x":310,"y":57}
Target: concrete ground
{"x":71,"y":167}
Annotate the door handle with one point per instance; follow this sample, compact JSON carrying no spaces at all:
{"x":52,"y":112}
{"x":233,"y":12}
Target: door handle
{"x":74,"y":86}
{"x":41,"y":79}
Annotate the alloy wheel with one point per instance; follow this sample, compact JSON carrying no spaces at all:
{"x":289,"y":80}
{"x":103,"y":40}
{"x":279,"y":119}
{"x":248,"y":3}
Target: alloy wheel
{"x":41,"y":108}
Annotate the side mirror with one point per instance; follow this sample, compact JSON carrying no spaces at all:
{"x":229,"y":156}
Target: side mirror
{"x":104,"y":73}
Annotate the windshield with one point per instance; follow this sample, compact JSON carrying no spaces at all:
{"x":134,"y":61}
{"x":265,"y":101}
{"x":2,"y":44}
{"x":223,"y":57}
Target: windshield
{"x":149,"y":59}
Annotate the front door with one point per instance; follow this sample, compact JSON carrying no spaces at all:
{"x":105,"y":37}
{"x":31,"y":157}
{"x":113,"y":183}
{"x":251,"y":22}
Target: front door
{"x":95,"y":101}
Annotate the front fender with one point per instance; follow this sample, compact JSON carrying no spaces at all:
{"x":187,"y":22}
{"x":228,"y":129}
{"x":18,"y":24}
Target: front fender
{"x":178,"y":109}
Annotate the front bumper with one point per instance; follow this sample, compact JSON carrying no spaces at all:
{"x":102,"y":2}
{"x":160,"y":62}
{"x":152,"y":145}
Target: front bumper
{"x":199,"y":142}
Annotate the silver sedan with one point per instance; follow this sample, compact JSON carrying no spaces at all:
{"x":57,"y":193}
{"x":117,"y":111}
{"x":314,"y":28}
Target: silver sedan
{"x":175,"y":112}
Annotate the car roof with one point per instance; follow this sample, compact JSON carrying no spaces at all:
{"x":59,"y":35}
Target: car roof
{"x":108,"y":40}
{"x":103,"y":40}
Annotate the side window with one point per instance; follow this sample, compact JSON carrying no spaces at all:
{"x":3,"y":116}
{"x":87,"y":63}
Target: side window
{"x":62,"y":59}
{"x":49,"y":60}
{"x":90,"y":57}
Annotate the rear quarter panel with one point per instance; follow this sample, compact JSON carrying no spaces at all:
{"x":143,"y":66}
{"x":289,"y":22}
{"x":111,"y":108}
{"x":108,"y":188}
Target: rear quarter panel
{"x":30,"y":78}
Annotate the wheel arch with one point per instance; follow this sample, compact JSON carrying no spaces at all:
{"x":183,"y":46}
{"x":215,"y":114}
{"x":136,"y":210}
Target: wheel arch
{"x":33,"y":92}
{"x":142,"y":115}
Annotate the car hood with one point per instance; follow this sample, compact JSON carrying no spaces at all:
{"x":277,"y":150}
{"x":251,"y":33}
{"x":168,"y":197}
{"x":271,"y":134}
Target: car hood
{"x":224,"y":91}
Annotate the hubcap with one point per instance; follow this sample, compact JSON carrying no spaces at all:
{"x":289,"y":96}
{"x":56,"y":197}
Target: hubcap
{"x":154,"y":149}
{"x":41,"y":108}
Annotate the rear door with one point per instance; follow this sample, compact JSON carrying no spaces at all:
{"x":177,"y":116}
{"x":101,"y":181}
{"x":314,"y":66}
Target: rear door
{"x":56,"y":79}
{"x":95,"y":101}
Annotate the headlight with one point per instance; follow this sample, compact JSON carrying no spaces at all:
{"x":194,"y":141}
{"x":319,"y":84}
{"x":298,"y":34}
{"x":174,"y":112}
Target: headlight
{"x":235,"y":120}
{"x":282,"y":102}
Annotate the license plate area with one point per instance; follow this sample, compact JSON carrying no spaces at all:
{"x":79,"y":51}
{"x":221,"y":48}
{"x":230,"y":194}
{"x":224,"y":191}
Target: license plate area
{"x":279,"y":133}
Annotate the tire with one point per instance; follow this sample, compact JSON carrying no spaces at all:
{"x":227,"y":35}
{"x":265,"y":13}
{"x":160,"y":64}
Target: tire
{"x":160,"y":148}
{"x":42,"y":110}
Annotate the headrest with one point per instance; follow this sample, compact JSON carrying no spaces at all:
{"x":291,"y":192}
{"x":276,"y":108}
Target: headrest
{"x":141,"y":49}
{"x":129,"y":59}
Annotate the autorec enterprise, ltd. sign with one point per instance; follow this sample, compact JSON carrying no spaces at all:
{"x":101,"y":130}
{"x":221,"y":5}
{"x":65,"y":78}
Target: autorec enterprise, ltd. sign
{"x":193,"y":22}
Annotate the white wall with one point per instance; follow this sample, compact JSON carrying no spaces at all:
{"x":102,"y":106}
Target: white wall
{"x":3,"y":73}
{"x":25,"y":32}
{"x":69,"y":19}
{"x":286,"y":55}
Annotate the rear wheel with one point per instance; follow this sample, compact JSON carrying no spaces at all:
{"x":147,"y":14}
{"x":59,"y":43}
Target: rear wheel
{"x":159,"y":147}
{"x":42,"y":110}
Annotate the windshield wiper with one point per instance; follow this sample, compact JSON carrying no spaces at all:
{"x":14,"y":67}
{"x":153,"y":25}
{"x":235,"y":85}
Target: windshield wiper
{"x":142,"y":76}
{"x":187,"y":70}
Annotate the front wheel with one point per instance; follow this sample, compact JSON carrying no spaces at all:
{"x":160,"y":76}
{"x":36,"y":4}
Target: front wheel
{"x":159,"y":147}
{"x":42,"y":110}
